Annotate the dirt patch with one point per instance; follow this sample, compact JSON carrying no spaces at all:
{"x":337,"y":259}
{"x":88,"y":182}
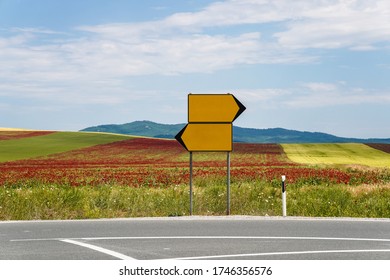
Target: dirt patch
{"x":382,"y":147}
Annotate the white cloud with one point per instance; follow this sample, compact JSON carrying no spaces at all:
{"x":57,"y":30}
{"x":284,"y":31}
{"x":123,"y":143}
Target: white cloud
{"x":338,"y":24}
{"x":327,"y":95}
{"x":181,"y":43}
{"x":320,"y":86}
{"x":308,"y":24}
{"x":263,"y":95}
{"x":92,"y":64}
{"x":311,"y":95}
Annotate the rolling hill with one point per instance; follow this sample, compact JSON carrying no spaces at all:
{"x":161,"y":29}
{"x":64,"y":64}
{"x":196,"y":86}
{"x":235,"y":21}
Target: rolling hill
{"x":34,"y":146}
{"x":240,"y":134}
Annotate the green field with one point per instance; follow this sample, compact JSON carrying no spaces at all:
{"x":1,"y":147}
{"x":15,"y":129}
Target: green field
{"x":337,"y":154}
{"x":57,"y":142}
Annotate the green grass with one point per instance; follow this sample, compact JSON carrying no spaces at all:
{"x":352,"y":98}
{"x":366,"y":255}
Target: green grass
{"x":337,"y":154}
{"x":57,"y":142}
{"x":32,"y":201}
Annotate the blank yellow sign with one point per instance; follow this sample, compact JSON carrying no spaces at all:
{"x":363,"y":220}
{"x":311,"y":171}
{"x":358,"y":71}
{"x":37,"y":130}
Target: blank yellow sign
{"x":207,"y":137}
{"x":213,"y":108}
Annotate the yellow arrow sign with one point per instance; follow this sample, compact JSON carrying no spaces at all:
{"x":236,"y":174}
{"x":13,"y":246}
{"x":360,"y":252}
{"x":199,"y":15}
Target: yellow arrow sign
{"x":213,"y":108}
{"x":206,"y":137}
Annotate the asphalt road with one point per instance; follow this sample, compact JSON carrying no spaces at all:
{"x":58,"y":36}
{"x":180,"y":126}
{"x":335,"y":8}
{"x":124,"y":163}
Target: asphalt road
{"x":195,"y":238}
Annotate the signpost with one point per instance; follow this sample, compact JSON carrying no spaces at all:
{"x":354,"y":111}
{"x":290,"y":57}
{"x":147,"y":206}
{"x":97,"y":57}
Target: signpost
{"x":210,"y":129}
{"x":284,"y":202}
{"x":206,"y":137}
{"x":213,"y":108}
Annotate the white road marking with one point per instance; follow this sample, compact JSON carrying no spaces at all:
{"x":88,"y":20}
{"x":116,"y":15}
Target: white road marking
{"x":284,"y":253}
{"x":99,"y":249}
{"x":208,"y":218}
{"x":124,"y":257}
{"x":208,"y":237}
{"x":236,"y":237}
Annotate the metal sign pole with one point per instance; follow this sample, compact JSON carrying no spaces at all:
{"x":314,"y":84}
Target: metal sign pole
{"x":228,"y":185}
{"x":190,"y":183}
{"x":284,"y":202}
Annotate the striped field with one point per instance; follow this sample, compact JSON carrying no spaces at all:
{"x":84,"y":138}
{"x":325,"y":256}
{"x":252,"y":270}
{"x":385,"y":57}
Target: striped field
{"x":337,"y":154}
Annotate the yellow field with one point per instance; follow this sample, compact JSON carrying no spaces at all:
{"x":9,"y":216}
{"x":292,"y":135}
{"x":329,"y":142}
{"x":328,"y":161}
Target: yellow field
{"x":337,"y":154}
{"x":13,"y":129}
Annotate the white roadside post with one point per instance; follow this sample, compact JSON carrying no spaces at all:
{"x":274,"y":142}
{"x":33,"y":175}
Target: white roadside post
{"x":284,"y":203}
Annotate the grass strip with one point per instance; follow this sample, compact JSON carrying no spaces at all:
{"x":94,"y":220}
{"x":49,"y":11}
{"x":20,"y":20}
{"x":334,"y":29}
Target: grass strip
{"x":256,"y":198}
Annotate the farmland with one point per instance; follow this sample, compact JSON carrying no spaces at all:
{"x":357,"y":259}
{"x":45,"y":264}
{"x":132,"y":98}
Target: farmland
{"x":30,"y":144}
{"x":345,"y":153}
{"x":64,"y":175}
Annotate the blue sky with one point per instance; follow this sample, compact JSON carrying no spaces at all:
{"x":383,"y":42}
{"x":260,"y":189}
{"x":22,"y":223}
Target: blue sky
{"x":321,"y":65}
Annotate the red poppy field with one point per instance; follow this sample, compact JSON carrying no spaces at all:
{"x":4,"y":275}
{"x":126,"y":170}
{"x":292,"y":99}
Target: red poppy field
{"x":148,"y":162}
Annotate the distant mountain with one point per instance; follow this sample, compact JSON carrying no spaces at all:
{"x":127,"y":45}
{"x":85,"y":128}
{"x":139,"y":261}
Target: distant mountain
{"x":240,"y":134}
{"x":140,"y":128}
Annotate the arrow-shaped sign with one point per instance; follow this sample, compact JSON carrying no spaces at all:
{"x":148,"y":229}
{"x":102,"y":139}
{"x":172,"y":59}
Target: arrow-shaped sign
{"x":203,"y":137}
{"x":213,"y":108}
{"x":210,"y":118}
{"x":210,"y":128}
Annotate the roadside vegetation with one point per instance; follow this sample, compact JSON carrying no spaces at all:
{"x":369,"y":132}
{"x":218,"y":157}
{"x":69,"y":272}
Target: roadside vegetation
{"x":247,"y":198}
{"x":138,"y":177}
